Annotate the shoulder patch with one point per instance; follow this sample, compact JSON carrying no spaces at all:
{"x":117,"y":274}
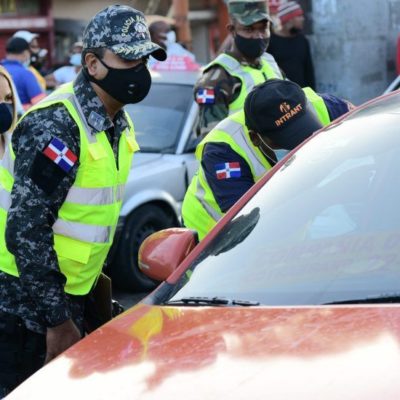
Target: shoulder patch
{"x":228,"y":170}
{"x":205,"y":96}
{"x":60,"y":154}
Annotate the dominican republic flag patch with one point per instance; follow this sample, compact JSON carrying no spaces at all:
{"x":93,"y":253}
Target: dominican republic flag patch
{"x":60,"y":154}
{"x":228,"y":170}
{"x":205,"y":96}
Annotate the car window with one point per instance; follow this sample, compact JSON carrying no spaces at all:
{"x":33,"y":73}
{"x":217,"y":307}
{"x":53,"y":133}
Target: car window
{"x":193,"y":139}
{"x":159,"y":118}
{"x":324,"y":228}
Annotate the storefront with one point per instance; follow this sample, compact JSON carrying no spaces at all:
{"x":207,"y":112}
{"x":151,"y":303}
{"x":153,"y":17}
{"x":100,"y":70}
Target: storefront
{"x":32,"y":15}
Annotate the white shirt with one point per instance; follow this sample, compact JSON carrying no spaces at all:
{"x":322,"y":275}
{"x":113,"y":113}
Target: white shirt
{"x":65,"y":74}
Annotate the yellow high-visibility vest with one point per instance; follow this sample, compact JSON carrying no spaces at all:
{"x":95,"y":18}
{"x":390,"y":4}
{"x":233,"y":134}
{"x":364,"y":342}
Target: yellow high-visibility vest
{"x":85,"y":227}
{"x":249,"y":76}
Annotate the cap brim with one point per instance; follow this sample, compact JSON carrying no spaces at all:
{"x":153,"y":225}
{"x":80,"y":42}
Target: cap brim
{"x":252,"y":19}
{"x":299,"y":130}
{"x":138,"y":50}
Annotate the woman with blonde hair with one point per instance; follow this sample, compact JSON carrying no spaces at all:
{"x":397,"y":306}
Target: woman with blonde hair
{"x":8,"y":114}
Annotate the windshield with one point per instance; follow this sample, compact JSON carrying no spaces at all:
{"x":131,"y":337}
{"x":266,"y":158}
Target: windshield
{"x":159,"y":118}
{"x":324,"y":228}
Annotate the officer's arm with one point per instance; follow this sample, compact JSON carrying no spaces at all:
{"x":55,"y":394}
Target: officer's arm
{"x":335,"y":105}
{"x":227,"y":174}
{"x":213,"y":93}
{"x":39,"y":190}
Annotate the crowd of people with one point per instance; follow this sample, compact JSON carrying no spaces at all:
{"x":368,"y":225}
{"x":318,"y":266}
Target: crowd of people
{"x":66,"y":161}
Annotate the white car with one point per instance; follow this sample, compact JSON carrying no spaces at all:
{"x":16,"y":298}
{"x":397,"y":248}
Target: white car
{"x":161,"y":171}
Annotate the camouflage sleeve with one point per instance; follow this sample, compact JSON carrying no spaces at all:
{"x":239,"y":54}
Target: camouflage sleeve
{"x":214,"y":91}
{"x":39,"y":190}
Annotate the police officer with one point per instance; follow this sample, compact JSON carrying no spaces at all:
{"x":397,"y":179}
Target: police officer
{"x":226,"y":81}
{"x":277,"y":116}
{"x":70,"y":158}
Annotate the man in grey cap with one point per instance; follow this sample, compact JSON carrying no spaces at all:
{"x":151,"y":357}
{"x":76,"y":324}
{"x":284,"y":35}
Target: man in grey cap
{"x":222,"y":88}
{"x":62,"y":190}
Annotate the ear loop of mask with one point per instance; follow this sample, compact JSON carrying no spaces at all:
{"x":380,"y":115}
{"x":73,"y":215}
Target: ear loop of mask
{"x":269,"y":147}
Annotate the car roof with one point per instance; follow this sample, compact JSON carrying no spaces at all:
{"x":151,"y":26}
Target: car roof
{"x":176,"y":77}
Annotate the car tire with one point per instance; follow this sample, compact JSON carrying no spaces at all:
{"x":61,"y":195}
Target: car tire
{"x":141,"y":223}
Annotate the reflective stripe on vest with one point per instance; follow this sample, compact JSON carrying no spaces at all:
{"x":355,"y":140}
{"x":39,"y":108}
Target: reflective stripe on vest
{"x":249,"y":76}
{"x":87,"y":219}
{"x":90,"y":196}
{"x":200,"y":195}
{"x":5,"y":199}
{"x":83,"y":232}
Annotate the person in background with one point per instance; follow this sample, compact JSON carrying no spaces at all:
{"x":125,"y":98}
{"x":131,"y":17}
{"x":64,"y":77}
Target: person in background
{"x":225,"y":82}
{"x":278,"y":115}
{"x":8,"y":112}
{"x":290,"y":47}
{"x":16,"y":63}
{"x":38,"y":55}
{"x":67,"y":73}
{"x":162,"y":33}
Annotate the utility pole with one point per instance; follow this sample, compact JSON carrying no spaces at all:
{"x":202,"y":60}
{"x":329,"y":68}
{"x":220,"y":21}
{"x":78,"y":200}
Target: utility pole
{"x":180,"y":13}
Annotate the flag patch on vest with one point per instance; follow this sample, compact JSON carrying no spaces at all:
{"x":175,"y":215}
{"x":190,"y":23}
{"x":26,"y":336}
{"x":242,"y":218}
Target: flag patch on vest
{"x":60,"y":154}
{"x":228,"y":170}
{"x":205,"y":96}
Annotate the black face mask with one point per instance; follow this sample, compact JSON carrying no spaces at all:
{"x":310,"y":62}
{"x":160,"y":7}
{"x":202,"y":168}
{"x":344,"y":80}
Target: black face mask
{"x":6,"y":117}
{"x":128,"y":86}
{"x":251,"y":48}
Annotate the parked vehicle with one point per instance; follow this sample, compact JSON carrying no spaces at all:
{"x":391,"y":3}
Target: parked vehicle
{"x":160,"y":173}
{"x":294,"y":294}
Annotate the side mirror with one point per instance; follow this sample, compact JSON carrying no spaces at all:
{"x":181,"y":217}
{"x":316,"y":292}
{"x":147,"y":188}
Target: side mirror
{"x":162,"y":252}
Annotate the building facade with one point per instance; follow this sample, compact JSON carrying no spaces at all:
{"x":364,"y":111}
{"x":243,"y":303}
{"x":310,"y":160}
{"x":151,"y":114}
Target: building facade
{"x":353,"y":42}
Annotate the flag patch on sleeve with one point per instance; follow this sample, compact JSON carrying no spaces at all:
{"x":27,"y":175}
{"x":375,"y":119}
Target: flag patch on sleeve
{"x":60,"y":154}
{"x":205,"y":96}
{"x":228,"y":170}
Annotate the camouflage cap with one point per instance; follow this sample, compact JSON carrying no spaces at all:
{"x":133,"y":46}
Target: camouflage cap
{"x":124,"y":31}
{"x":248,"y":12}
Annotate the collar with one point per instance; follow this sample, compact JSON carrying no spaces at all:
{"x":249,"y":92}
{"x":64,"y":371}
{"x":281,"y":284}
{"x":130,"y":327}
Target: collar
{"x":93,"y":109}
{"x":257,"y":64}
{"x":7,"y":61}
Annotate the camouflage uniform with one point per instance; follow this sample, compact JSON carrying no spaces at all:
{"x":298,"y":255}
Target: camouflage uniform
{"x":38,"y":296}
{"x":225,"y":87}
{"x":36,"y":300}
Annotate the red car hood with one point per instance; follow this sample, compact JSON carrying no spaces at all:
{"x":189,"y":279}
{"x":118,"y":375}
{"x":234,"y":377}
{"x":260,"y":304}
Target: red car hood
{"x":150,"y":352}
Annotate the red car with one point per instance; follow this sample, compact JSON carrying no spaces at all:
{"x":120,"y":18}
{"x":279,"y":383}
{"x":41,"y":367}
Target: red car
{"x":294,"y":295}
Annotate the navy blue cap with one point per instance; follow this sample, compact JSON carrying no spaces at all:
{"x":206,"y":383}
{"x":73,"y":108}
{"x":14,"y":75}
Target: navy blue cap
{"x":279,"y":109}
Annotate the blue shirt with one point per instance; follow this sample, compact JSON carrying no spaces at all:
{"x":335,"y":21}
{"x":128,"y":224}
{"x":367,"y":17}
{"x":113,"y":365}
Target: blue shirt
{"x":228,"y":190}
{"x":25,"y":82}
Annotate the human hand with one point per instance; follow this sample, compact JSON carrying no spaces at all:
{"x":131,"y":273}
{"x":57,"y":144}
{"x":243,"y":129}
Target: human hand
{"x":60,"y":338}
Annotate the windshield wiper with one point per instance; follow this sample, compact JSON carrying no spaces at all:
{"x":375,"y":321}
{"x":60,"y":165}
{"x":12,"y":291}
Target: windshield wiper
{"x":367,"y":300}
{"x":200,"y":301}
